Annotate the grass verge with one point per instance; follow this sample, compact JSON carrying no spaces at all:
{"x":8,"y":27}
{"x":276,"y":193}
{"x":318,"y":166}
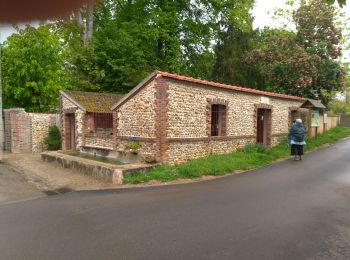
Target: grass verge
{"x":250,"y":157}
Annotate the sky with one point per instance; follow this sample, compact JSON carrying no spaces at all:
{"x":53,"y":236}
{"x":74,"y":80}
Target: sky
{"x":263,"y":13}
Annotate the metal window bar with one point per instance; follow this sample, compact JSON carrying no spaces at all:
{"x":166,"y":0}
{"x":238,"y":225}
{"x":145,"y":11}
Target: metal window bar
{"x":103,"y":120}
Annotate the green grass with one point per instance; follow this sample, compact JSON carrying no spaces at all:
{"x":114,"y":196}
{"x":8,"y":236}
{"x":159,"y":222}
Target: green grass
{"x":250,"y":157}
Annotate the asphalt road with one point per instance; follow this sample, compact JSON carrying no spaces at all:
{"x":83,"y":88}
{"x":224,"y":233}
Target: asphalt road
{"x":290,"y":210}
{"x":15,"y":186}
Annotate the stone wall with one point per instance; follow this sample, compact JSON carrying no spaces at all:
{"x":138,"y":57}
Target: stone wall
{"x":102,"y":138}
{"x":188,"y":106}
{"x":136,"y":117}
{"x":40,"y":124}
{"x":25,"y":132}
{"x":68,"y":107}
{"x":136,"y":120}
{"x":180,"y":152}
{"x":170,"y":119}
{"x":188,"y":120}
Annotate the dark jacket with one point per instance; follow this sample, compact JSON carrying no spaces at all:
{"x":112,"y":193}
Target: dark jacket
{"x":297,"y":133}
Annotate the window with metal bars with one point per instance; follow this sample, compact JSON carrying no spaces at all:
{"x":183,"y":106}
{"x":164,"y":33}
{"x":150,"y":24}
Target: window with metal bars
{"x":218,"y":120}
{"x":103,"y":120}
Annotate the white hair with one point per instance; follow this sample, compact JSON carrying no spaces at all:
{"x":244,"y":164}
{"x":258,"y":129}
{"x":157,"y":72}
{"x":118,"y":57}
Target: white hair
{"x":299,"y":120}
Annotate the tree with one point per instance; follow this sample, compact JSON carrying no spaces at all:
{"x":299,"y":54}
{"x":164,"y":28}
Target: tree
{"x":133,"y":38}
{"x":234,"y":43}
{"x":304,"y":62}
{"x":33,"y":69}
{"x":282,"y":64}
{"x":340,"y":2}
{"x":320,"y":36}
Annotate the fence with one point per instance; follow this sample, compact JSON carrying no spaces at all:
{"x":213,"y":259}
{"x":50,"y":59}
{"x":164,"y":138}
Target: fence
{"x":332,"y":121}
{"x":345,"y":120}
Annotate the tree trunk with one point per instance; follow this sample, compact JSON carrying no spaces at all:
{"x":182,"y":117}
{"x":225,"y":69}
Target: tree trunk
{"x":89,"y":21}
{"x":80,"y":23}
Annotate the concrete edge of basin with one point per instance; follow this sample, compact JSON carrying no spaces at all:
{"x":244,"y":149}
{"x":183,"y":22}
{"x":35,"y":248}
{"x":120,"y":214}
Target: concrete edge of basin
{"x":105,"y":172}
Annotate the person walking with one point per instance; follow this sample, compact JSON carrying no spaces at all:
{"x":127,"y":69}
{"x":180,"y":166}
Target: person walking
{"x":296,"y":139}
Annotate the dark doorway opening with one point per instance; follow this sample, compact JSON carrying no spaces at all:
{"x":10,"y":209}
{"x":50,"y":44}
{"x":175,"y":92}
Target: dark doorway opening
{"x":218,"y":120}
{"x":294,"y":114}
{"x":70,"y":132}
{"x":263,"y":135}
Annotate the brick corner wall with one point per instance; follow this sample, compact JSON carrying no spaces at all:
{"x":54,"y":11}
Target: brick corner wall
{"x":25,"y":132}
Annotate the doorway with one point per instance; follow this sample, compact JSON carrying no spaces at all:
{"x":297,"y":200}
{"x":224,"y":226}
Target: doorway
{"x":70,"y":132}
{"x":263,"y":134}
{"x":294,"y":114}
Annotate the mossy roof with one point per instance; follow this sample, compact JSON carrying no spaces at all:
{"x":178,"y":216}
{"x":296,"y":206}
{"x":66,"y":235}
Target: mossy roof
{"x":94,"y":102}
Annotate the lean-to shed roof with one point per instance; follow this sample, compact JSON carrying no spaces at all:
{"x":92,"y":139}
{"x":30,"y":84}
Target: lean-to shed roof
{"x":92,"y":101}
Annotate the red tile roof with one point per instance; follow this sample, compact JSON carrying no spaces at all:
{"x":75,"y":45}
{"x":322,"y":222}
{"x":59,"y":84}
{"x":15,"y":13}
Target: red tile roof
{"x":226,"y":86}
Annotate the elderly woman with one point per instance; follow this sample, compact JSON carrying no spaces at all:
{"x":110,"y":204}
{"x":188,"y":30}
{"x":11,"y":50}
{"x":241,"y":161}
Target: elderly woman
{"x":296,"y":139}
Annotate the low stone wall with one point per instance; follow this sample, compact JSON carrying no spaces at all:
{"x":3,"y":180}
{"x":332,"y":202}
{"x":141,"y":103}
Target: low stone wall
{"x":182,"y":151}
{"x":102,"y":171}
{"x":25,"y":132}
{"x":102,"y":138}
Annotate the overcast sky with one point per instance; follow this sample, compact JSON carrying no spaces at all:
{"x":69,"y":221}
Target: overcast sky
{"x":262,"y":12}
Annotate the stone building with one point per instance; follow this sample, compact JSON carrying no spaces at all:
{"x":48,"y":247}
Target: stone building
{"x":87,"y":122}
{"x":177,"y":118}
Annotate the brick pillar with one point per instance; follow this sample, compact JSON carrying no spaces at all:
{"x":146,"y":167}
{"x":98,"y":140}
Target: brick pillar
{"x":115,"y":130}
{"x":18,"y":130}
{"x":63,"y":125}
{"x":161,"y":110}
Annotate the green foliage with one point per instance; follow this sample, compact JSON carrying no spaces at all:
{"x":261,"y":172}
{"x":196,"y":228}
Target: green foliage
{"x":304,"y":62}
{"x":255,"y":148}
{"x":283,"y":65}
{"x":217,"y":165}
{"x":53,"y":140}
{"x":340,"y":2}
{"x":33,"y":69}
{"x":134,"y":145}
{"x":133,"y":38}
{"x":234,"y":45}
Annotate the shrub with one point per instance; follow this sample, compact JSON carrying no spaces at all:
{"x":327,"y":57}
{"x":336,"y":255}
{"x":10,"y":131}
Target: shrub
{"x":135,"y":145}
{"x":53,"y":140}
{"x":149,"y":159}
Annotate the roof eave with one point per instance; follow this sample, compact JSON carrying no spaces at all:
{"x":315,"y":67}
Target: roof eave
{"x":135,"y":90}
{"x":230,"y":87}
{"x":72,"y":100}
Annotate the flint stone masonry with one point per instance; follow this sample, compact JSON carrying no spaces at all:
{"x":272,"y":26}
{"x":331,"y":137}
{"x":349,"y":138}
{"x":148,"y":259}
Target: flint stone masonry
{"x":187,"y":118}
{"x":82,"y":109}
{"x":137,"y":116}
{"x":179,"y":130}
{"x":25,"y":132}
{"x":68,"y":107}
{"x":135,"y":121}
{"x":40,"y":127}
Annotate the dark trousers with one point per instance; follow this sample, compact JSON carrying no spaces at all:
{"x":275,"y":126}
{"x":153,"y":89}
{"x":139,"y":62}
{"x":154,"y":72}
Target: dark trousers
{"x":297,"y":149}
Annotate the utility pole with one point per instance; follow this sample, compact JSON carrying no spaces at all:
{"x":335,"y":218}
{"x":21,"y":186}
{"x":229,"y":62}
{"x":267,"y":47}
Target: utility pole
{"x":1,"y":115}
